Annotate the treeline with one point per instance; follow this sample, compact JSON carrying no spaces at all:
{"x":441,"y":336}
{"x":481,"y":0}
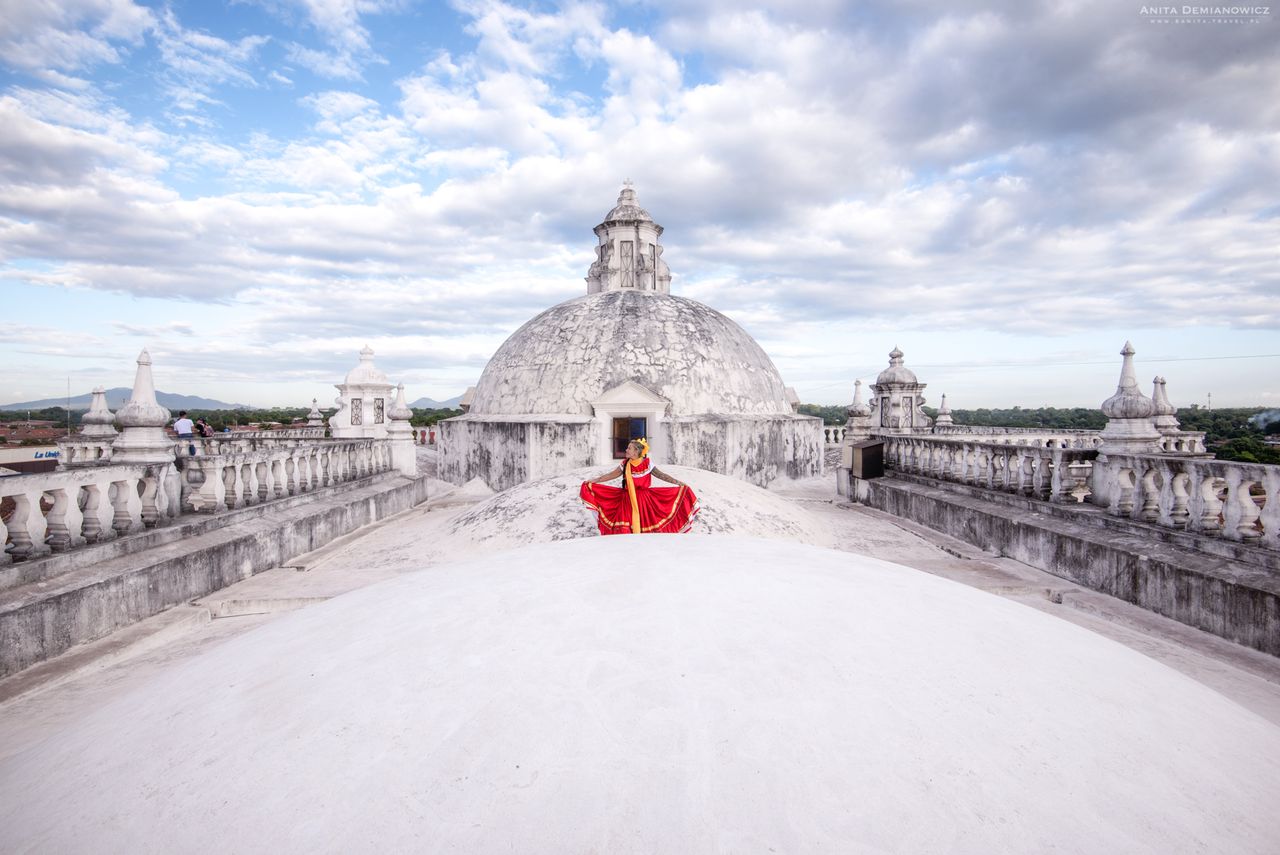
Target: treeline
{"x":220,"y":419}
{"x":48,"y":414}
{"x":1232,"y":433}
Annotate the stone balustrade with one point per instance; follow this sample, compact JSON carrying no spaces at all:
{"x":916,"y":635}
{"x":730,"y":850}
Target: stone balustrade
{"x":79,"y":450}
{"x":1221,"y":498}
{"x":1183,"y":442}
{"x":1054,"y":473}
{"x":241,"y":441}
{"x":80,"y":504}
{"x":833,"y":434}
{"x":1066,"y":438}
{"x":60,"y":510}
{"x":235,"y":472}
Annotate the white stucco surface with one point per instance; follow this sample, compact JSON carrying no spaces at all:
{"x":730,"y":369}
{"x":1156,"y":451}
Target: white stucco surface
{"x":549,"y":509}
{"x":656,"y":694}
{"x":686,"y":352}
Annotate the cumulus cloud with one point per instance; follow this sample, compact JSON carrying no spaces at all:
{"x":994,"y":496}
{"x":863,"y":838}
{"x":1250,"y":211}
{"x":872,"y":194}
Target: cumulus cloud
{"x":1024,"y":166}
{"x":70,"y":35}
{"x":347,"y":46}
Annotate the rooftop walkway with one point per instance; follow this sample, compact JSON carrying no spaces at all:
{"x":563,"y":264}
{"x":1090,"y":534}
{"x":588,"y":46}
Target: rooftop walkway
{"x":35,"y":704}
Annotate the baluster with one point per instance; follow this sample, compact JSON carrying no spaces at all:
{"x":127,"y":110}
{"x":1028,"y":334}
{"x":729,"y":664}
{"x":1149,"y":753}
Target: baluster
{"x":4,"y":538}
{"x":1232,"y":508}
{"x":27,"y":527}
{"x":151,"y":500}
{"x":1151,"y":485}
{"x":127,"y":518}
{"x":1210,"y":505}
{"x":1057,"y":477}
{"x":262,"y":471}
{"x":66,"y":522}
{"x":1270,"y":514}
{"x":1246,"y":529}
{"x":250,"y":483}
{"x":233,"y":489}
{"x":1082,"y":472}
{"x":98,"y":512}
{"x":279,"y":486}
{"x":1122,"y":499}
{"x":212,"y":495}
{"x":1039,"y":479}
{"x":1179,"y":500}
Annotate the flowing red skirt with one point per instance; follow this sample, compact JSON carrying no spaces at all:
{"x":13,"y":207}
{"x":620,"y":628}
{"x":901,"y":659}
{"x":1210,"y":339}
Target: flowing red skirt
{"x":662,"y":509}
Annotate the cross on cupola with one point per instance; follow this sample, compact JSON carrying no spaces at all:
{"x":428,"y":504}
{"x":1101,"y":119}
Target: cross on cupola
{"x":629,"y":254}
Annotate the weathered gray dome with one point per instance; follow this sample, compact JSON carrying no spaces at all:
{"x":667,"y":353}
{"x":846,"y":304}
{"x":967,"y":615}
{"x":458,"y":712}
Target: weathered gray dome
{"x":687,"y":352}
{"x":627,"y":209}
{"x":896,"y":372}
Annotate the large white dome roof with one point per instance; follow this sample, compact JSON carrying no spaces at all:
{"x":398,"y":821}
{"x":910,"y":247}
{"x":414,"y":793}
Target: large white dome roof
{"x":685,"y":351}
{"x":656,"y":694}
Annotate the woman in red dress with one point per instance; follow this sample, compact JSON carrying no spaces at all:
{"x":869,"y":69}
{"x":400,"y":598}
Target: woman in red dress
{"x":637,"y":507}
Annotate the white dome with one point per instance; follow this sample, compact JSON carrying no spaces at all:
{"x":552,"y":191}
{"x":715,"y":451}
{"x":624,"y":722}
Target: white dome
{"x":656,"y":694}
{"x":896,"y":373}
{"x":687,"y":352}
{"x":366,"y":373}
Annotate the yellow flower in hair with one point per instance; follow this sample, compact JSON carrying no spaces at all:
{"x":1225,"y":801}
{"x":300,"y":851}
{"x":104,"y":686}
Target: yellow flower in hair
{"x":644,"y":446}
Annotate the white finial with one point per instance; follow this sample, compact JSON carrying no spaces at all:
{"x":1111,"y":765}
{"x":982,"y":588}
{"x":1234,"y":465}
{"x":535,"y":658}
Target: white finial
{"x":99,"y":421}
{"x":858,"y":408}
{"x":142,"y":419}
{"x":400,"y":410}
{"x":1166,"y":414}
{"x":142,"y":409}
{"x":1128,"y":402}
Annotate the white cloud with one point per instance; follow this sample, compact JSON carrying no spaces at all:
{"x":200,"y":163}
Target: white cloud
{"x":69,"y":35}
{"x":1032,"y":168}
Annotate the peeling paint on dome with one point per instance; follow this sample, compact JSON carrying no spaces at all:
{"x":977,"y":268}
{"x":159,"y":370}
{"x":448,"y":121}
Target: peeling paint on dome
{"x":683,"y":350}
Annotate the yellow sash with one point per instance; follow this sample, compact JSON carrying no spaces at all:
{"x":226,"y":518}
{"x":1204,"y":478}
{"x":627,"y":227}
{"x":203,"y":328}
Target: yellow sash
{"x":631,"y":494}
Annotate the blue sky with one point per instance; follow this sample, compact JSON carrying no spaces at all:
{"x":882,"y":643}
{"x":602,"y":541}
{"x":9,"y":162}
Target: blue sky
{"x":1008,"y":191}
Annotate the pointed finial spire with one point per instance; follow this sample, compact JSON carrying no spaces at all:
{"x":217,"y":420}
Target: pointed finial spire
{"x":400,"y":410}
{"x":142,"y":409}
{"x":944,"y":413}
{"x":142,"y":419}
{"x":1128,"y":402}
{"x":99,"y":421}
{"x":1165,"y":412}
{"x":859,"y":408}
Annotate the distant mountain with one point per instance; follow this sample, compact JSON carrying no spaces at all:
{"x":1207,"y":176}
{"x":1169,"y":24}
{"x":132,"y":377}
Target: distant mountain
{"x":117,"y":397}
{"x":433,"y":404}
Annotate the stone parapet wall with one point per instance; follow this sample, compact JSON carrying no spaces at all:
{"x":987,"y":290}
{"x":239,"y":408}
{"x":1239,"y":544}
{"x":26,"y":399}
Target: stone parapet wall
{"x":755,"y":449}
{"x":106,"y":586}
{"x":506,"y":451}
{"x":1235,"y":599}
